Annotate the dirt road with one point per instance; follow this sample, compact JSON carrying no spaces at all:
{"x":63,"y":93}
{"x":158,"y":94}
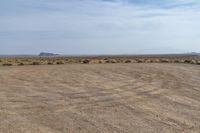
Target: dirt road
{"x":100,"y":98}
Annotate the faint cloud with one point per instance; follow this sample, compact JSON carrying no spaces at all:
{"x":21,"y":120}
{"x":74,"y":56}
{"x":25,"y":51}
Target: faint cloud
{"x":111,"y":26}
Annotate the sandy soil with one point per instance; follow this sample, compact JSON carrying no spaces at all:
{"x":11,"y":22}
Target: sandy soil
{"x":100,"y":98}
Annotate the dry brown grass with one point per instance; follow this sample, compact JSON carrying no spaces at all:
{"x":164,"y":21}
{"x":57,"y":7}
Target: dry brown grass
{"x":99,"y":60}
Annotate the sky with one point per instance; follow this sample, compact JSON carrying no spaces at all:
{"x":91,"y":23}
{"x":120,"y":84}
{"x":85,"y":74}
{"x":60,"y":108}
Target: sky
{"x":85,"y":27}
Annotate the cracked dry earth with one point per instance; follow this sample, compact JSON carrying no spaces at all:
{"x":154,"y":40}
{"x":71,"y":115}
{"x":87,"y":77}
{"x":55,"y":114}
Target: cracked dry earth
{"x":100,"y":98}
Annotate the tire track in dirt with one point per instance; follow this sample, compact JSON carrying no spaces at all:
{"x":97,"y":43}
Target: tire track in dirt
{"x":101,"y":98}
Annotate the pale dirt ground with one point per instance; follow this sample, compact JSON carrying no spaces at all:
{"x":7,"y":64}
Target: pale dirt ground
{"x":100,"y":98}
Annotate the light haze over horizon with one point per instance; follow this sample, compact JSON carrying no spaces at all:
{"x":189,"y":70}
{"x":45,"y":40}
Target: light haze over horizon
{"x":85,"y":27}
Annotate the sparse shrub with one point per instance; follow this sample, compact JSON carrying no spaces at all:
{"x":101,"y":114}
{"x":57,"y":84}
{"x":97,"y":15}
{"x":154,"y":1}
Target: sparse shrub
{"x":79,"y":61}
{"x":149,"y":61}
{"x":118,"y":61}
{"x":86,"y":61}
{"x":20,"y":64}
{"x":59,"y":62}
{"x":113,"y":61}
{"x":128,"y":61}
{"x":139,"y":61}
{"x":156,"y":60}
{"x":71,"y":61}
{"x":7,"y":64}
{"x":177,"y":61}
{"x":193,"y":61}
{"x":152,"y":61}
{"x":35,"y":63}
{"x":164,"y":61}
{"x":134,"y":61}
{"x":50,"y":63}
{"x":107,"y":61}
{"x":100,"y":62}
{"x":187,"y":61}
{"x":94,"y":61}
{"x":181,"y":61}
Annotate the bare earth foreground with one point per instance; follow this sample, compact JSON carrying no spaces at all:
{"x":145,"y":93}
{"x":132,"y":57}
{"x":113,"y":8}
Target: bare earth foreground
{"x":100,"y":98}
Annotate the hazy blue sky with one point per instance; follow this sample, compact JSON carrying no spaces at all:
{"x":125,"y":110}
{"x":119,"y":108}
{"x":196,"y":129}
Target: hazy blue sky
{"x":99,"y":26}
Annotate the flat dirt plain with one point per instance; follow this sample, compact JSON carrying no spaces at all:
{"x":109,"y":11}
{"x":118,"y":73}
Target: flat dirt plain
{"x":104,"y":98}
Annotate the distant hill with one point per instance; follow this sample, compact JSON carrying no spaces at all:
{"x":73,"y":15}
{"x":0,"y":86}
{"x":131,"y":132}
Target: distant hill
{"x":47,"y":54}
{"x":194,"y":53}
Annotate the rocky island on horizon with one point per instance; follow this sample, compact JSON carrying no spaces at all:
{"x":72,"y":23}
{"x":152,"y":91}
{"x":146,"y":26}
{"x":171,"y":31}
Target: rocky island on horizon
{"x":47,"y":54}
